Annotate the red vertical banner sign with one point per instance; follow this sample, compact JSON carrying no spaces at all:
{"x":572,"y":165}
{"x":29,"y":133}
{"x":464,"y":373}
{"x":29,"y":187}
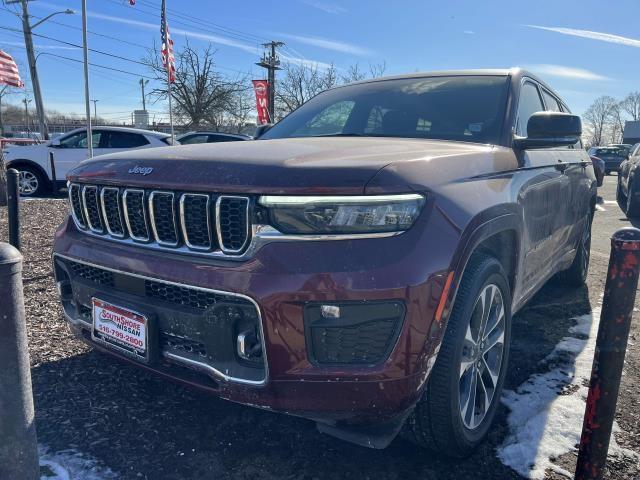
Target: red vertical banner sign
{"x":261,"y":87}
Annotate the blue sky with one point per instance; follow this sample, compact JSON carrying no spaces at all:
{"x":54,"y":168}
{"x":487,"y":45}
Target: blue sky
{"x":582,"y":48}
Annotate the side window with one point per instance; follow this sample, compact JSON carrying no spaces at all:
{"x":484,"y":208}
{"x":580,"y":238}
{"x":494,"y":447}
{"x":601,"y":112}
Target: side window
{"x":79,"y":140}
{"x":529,"y":104}
{"x":551,"y":102}
{"x":125,"y":140}
{"x":191,"y":139}
{"x":329,"y":121}
{"x":222,"y":138}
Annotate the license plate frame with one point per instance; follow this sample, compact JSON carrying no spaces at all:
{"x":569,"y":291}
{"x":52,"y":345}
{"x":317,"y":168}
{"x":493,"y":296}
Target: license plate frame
{"x":121,"y":329}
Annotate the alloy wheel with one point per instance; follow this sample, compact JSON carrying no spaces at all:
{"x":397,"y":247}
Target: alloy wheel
{"x":27,"y":183}
{"x":482,"y":355}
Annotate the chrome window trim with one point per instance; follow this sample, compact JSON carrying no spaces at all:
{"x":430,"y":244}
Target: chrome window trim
{"x":206,"y":368}
{"x":80,"y":223}
{"x":183,"y":226}
{"x":152,"y":217}
{"x":218,"y":228}
{"x":104,"y":212}
{"x":86,"y":212}
{"x":126,"y":214}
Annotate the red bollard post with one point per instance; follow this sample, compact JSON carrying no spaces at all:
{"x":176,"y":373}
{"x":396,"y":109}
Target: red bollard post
{"x":611,"y":346}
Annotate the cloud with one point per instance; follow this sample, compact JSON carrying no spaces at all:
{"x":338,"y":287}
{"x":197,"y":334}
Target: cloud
{"x":329,"y":44}
{"x":178,"y":31}
{"x":566,"y":72}
{"x":326,"y":7}
{"x":469,"y":32}
{"x":603,"y":37}
{"x":321,"y":66}
{"x":40,"y":47}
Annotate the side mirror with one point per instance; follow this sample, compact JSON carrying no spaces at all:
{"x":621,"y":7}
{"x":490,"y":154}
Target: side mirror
{"x":261,"y":130}
{"x":550,"y":129}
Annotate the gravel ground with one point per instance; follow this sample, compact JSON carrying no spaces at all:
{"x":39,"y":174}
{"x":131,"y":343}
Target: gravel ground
{"x":140,"y":426}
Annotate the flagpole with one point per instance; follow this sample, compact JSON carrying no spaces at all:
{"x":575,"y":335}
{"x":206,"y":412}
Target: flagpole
{"x":168,"y":68}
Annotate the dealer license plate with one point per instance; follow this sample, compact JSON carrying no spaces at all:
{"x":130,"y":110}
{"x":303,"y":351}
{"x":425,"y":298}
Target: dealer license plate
{"x":120,"y":328}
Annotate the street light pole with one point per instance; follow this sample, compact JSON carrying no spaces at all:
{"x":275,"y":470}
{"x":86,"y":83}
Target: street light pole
{"x":85,"y":51}
{"x":26,"y":102}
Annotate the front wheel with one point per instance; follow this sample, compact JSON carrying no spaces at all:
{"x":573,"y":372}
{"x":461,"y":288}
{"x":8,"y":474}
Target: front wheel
{"x":31,"y":182}
{"x":464,"y":388}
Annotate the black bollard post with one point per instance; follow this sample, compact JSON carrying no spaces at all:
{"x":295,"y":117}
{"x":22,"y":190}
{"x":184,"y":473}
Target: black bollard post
{"x":18,"y":445}
{"x":13,"y":206}
{"x":611,"y":345}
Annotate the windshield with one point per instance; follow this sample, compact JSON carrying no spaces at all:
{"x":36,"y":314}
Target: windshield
{"x":464,"y":108}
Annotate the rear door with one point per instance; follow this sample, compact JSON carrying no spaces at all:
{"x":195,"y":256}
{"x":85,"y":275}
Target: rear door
{"x":575,"y":161}
{"x":543,"y":195}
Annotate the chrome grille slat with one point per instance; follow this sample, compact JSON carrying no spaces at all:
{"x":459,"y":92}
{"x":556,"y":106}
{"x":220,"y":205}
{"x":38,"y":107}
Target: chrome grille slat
{"x":111,"y":211}
{"x":194,"y":220}
{"x":135,"y":214}
{"x":77,"y":211}
{"x":232,"y":222}
{"x":163,"y":219}
{"x":91,"y":208}
{"x":200,"y":223}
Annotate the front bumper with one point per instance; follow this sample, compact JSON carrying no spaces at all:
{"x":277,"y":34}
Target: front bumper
{"x":279,"y":282}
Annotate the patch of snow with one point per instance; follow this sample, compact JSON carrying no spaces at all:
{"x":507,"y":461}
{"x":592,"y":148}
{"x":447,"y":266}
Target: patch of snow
{"x":71,"y":465}
{"x":548,"y":409}
{"x":601,"y":208}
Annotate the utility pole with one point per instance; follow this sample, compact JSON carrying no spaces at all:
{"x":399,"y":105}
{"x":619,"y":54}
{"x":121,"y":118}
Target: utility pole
{"x":143,"y":82}
{"x":26,"y":102}
{"x":95,"y":111}
{"x":35,"y":82}
{"x":271,"y":62}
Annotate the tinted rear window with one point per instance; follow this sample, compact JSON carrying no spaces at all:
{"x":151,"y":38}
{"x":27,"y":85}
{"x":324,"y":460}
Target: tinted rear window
{"x":465,"y":108}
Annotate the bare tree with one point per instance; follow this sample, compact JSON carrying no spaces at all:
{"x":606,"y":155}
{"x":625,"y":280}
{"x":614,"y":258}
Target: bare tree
{"x":631,"y":105}
{"x":598,"y":117}
{"x":299,"y":83}
{"x":616,"y":119}
{"x":302,"y":82}
{"x":200,"y":93}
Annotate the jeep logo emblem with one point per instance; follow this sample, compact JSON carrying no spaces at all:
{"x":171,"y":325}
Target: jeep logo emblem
{"x":141,"y":170}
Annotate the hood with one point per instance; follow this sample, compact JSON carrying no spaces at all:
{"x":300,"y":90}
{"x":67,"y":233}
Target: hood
{"x":283,"y":166}
{"x":13,"y":151}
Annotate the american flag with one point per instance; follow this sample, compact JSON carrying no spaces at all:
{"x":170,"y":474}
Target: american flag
{"x":9,"y":71}
{"x":166,"y":49}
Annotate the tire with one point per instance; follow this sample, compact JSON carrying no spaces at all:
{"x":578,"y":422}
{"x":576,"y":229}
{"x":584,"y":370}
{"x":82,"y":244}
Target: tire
{"x":32,"y":182}
{"x":438,"y":422}
{"x":576,"y":274}
{"x":632,"y":207}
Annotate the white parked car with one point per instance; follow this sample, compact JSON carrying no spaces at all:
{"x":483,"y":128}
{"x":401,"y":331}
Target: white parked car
{"x":34,"y":164}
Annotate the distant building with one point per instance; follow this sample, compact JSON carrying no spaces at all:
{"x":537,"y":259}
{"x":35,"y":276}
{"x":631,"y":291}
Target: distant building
{"x":631,"y":132}
{"x":141,"y":118}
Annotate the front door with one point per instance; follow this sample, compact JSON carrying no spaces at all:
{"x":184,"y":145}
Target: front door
{"x":73,"y":149}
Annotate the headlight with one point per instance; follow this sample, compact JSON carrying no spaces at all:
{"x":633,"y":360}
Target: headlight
{"x":343,"y":214}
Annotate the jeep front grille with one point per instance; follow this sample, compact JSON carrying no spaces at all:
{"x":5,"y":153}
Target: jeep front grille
{"x":170,"y":220}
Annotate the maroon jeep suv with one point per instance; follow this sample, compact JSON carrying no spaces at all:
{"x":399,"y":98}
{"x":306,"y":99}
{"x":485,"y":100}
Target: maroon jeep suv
{"x":357,"y":265}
